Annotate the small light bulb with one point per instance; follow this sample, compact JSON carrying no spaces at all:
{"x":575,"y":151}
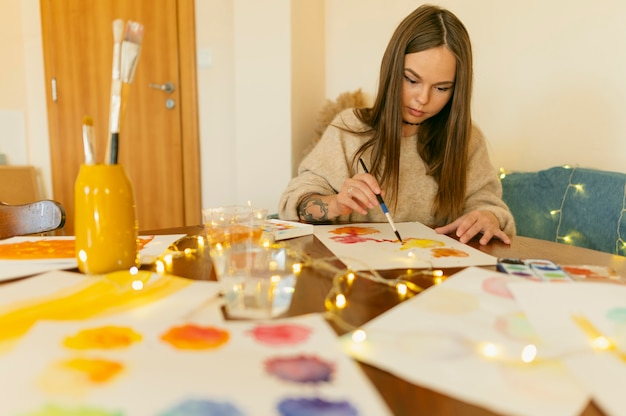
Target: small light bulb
{"x":529,"y":353}
{"x":489,"y":349}
{"x":350,"y":278}
{"x":402,"y":289}
{"x":359,"y":336}
{"x":602,"y":343}
{"x":340,"y":301}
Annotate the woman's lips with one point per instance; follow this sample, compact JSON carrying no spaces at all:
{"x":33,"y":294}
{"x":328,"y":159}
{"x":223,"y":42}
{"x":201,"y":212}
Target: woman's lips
{"x":416,"y":113}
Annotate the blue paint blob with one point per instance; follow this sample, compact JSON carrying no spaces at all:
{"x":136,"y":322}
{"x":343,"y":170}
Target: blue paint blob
{"x":315,"y":407}
{"x":203,"y":408}
{"x":617,"y":315}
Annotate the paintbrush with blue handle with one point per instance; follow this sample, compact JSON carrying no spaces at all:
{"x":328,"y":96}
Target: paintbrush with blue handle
{"x":383,"y":206}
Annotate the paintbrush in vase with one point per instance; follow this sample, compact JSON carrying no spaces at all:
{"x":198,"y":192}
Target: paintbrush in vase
{"x":131,"y":46}
{"x":89,"y":143}
{"x":116,"y":90}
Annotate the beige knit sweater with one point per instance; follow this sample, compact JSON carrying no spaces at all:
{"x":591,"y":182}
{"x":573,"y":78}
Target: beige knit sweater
{"x":327,"y":166}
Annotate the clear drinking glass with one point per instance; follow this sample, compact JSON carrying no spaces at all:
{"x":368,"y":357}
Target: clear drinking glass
{"x":257,"y":275}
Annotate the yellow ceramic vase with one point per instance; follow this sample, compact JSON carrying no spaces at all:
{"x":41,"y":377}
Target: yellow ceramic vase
{"x":105,"y":220}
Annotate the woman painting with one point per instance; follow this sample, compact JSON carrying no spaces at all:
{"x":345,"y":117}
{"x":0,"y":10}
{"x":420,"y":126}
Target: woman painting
{"x":418,"y":142}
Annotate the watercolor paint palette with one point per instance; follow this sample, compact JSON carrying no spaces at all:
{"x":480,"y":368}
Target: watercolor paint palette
{"x":99,"y":346}
{"x":374,"y":246}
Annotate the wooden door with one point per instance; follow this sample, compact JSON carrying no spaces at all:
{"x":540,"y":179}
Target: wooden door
{"x":159,"y":146}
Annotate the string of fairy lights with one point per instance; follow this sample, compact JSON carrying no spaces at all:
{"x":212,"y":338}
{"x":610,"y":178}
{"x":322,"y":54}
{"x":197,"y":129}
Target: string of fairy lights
{"x":620,"y":244}
{"x":571,"y":187}
{"x":338,"y":300}
{"x":343,"y":279}
{"x":574,"y":237}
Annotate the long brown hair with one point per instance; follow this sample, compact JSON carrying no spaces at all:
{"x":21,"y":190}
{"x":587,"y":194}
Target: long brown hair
{"x":442,"y":139}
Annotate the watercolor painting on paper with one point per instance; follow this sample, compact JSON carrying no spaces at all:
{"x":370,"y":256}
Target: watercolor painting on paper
{"x":27,"y":256}
{"x":468,"y":338}
{"x":76,"y":345}
{"x":374,"y":246}
{"x":585,"y":323}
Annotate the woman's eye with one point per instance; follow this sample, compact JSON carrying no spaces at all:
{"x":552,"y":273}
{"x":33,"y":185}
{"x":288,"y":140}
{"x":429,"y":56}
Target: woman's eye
{"x":412,"y":81}
{"x":444,"y":89}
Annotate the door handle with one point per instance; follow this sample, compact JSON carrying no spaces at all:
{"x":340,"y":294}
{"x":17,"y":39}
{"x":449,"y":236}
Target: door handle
{"x":168,"y":87}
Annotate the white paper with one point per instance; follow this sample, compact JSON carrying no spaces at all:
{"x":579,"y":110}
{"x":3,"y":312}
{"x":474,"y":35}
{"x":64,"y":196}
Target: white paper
{"x":12,"y":269}
{"x":157,"y":377}
{"x":374,"y":246}
{"x":553,"y":310}
{"x":435,"y":340}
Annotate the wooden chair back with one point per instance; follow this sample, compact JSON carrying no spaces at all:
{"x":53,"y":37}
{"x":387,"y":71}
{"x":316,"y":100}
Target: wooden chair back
{"x":33,"y":218}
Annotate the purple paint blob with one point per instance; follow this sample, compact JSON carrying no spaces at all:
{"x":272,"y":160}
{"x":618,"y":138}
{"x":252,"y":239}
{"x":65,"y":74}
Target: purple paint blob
{"x":300,"y":369}
{"x":195,"y":407}
{"x":315,"y":407}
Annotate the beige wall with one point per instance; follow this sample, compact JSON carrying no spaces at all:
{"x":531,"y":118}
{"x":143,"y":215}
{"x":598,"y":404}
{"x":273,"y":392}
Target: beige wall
{"x":550,"y":86}
{"x":549,"y":83}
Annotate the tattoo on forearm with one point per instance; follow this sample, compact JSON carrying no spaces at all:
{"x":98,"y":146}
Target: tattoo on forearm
{"x":313,"y":209}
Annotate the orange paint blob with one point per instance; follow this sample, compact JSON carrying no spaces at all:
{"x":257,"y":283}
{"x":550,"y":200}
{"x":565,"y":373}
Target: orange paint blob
{"x":106,"y":337}
{"x":93,"y":369}
{"x":48,"y":249}
{"x":194,"y":337}
{"x":355,"y":230}
{"x":448,"y":252}
{"x":96,"y":296}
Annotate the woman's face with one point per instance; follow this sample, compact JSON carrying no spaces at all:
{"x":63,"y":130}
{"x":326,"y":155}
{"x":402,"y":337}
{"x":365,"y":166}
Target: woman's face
{"x":427,"y":87}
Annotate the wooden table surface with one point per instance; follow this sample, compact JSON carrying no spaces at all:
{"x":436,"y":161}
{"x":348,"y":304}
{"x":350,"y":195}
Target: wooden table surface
{"x":369,"y":299}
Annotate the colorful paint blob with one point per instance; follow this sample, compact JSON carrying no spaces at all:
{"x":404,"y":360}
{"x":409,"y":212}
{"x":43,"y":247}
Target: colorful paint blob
{"x":411,"y":243}
{"x":497,"y":286}
{"x":195,"y":337}
{"x":75,"y":376}
{"x":448,"y":252}
{"x":194,"y":407}
{"x":517,"y":326}
{"x":300,"y":369}
{"x":442,"y":345}
{"x":282,"y":334}
{"x":353,"y":235}
{"x":352,"y":230}
{"x":449,"y":301}
{"x":55,"y":410}
{"x":617,"y":315}
{"x":48,"y":249}
{"x":315,"y":407}
{"x":88,"y":299}
{"x":105,"y":337}
{"x":95,"y":370}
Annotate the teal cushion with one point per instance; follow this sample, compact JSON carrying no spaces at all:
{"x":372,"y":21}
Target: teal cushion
{"x":577,"y":206}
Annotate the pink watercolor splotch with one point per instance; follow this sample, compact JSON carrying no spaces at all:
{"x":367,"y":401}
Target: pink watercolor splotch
{"x":281,"y":334}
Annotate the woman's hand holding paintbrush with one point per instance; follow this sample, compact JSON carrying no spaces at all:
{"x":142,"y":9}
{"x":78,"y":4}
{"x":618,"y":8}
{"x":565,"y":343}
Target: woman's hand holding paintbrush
{"x":362,"y":192}
{"x":383,"y":206}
